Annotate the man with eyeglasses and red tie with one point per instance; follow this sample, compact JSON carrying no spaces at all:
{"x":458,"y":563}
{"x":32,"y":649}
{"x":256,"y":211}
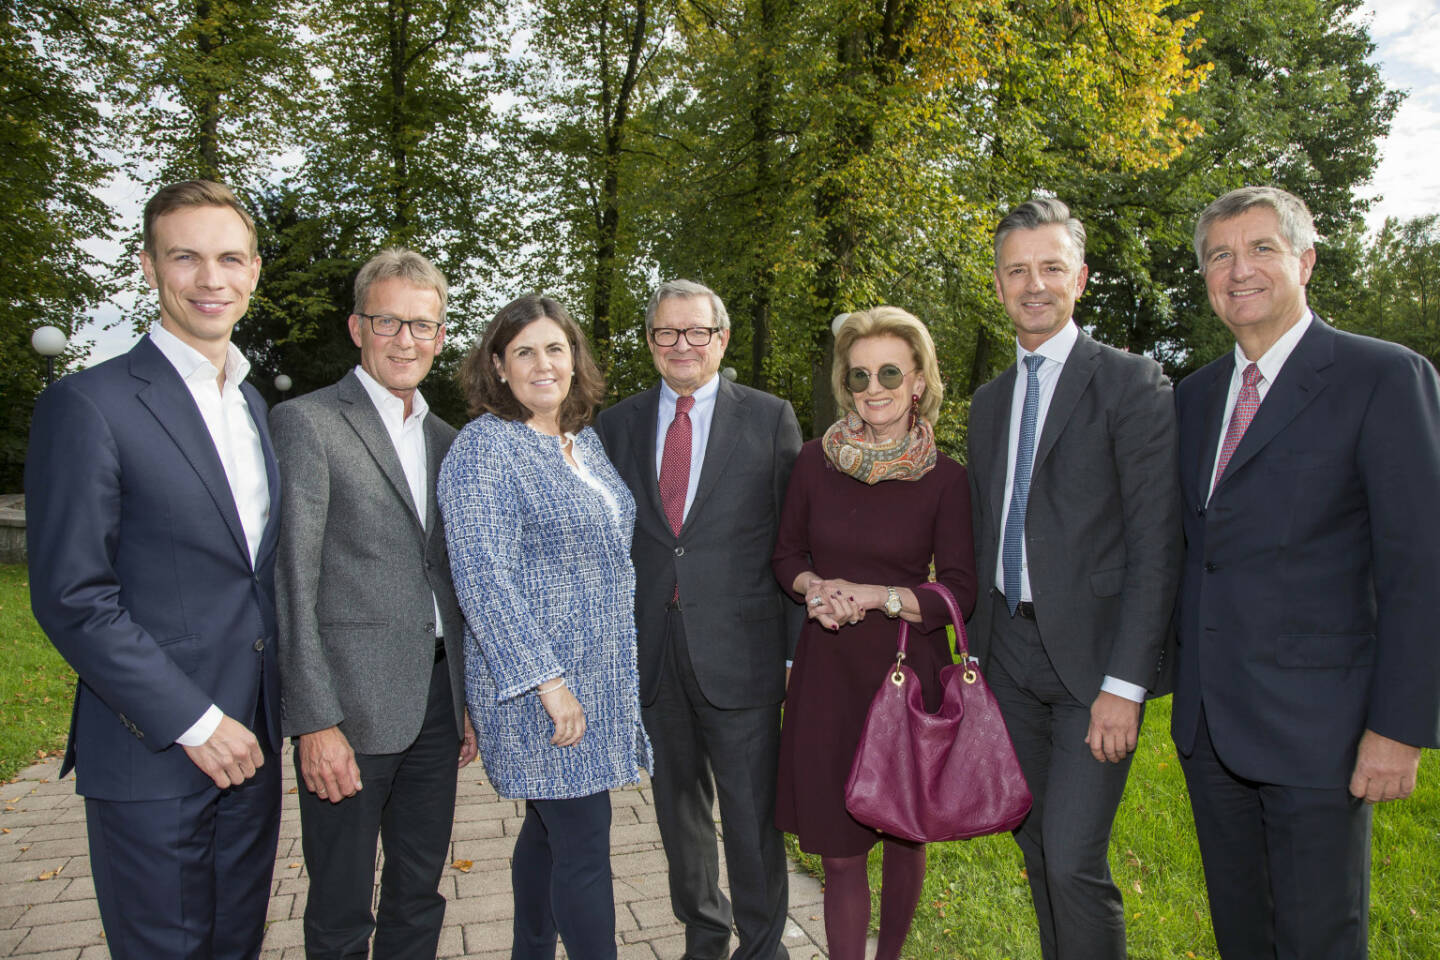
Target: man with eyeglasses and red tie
{"x":371,"y":648}
{"x":708,"y":462}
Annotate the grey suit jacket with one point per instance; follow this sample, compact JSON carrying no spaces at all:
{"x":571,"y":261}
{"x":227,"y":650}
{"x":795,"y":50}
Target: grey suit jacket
{"x":740,"y":627}
{"x":1102,"y":530}
{"x":356,"y":572}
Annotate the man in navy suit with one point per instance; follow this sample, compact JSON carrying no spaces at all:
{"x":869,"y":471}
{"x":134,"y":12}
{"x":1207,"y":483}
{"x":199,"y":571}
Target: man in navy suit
{"x":1308,"y":675}
{"x":151,"y":498}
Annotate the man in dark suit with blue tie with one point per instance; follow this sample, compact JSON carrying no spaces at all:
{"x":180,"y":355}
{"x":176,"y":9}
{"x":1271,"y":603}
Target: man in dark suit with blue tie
{"x":151,"y":496}
{"x":1077,"y":531}
{"x":1308,"y":675}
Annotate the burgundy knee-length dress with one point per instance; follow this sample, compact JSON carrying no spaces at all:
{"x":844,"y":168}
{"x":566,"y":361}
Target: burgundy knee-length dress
{"x":885,"y":534}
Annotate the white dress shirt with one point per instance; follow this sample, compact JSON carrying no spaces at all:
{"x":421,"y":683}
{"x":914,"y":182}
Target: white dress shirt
{"x":1056,"y":351}
{"x":407,"y":435}
{"x":702,"y":415}
{"x":1269,"y":363}
{"x":237,"y":442}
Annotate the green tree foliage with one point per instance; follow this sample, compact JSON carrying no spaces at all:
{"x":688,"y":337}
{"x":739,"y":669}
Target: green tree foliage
{"x":52,"y":160}
{"x":1293,"y":101}
{"x":400,"y":150}
{"x":1401,"y":297}
{"x":211,"y":89}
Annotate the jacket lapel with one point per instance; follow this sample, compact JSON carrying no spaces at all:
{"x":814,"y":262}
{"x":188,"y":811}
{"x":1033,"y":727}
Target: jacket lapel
{"x":1214,"y":412}
{"x":1299,"y":382}
{"x":998,"y":439}
{"x":725,"y":427}
{"x":1075,"y":376}
{"x":364,"y":419}
{"x":169,"y":400}
{"x":643,"y":426}
{"x":259,"y":414}
{"x":434,"y":457}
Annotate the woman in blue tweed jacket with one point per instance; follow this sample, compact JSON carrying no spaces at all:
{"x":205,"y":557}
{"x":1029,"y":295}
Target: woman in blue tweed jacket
{"x":538,"y":524}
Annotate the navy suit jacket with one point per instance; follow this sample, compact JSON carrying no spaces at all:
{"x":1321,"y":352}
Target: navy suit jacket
{"x":1310,"y":599}
{"x":140,"y":573}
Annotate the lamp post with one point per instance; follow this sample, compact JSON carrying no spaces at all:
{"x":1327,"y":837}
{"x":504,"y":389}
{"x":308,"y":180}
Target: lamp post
{"x":283,"y":384}
{"x":49,"y":342}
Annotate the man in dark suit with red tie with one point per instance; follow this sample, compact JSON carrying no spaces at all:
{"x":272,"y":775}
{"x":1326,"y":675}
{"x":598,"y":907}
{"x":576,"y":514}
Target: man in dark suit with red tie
{"x":708,"y":462}
{"x":1308,"y":674}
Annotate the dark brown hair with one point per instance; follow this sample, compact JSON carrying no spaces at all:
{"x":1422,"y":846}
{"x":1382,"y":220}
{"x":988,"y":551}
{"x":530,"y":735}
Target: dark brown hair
{"x":484,"y":393}
{"x":192,"y":193}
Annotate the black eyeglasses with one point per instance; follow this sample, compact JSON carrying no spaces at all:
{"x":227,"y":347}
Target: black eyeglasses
{"x":890,"y":377}
{"x":385,"y":325}
{"x":669,"y":336}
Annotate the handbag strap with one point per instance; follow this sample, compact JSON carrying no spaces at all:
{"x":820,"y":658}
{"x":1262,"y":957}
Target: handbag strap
{"x":962,"y":644}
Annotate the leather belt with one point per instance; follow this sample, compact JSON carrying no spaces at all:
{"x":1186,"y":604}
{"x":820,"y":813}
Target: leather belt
{"x":1025,"y":608}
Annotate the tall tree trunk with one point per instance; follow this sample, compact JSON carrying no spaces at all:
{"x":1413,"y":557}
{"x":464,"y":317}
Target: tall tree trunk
{"x":401,"y":216}
{"x":208,"y":105}
{"x":614,"y":111}
{"x":766,"y":193}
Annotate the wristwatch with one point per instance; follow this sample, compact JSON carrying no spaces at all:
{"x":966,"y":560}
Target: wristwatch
{"x":892,"y":603}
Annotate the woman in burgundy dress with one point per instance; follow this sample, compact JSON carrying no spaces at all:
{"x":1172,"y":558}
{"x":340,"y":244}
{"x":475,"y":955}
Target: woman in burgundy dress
{"x":870,"y":506}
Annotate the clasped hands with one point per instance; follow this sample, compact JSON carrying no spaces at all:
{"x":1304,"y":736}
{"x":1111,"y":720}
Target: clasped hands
{"x":836,"y":602}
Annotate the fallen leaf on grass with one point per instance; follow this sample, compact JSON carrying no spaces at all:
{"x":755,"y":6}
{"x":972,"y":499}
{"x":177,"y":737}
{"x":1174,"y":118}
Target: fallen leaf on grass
{"x":1136,"y":887}
{"x":463,"y":865}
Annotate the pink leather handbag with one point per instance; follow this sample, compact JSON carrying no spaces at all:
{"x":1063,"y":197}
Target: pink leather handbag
{"x":950,"y":775}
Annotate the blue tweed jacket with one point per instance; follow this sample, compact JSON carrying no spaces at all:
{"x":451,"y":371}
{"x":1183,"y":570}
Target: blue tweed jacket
{"x":543,"y":575}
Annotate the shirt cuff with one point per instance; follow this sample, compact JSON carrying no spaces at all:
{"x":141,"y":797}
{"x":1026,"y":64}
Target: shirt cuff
{"x":202,"y":729}
{"x":1123,"y":688}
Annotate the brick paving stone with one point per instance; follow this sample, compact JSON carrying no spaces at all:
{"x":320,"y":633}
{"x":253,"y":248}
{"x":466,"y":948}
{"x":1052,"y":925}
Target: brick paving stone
{"x":60,"y":911}
{"x":60,"y":936}
{"x":56,"y":919}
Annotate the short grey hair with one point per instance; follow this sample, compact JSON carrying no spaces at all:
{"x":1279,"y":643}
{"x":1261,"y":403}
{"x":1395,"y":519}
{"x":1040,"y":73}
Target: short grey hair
{"x":1037,"y":213}
{"x":1297,"y":226}
{"x":407,"y":265}
{"x":685,"y":289}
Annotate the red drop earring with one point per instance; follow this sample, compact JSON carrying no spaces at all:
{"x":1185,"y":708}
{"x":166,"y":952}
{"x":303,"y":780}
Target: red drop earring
{"x":914,"y":408}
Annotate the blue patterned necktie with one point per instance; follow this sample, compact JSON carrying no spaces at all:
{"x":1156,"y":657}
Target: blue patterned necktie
{"x":1020,"y":490}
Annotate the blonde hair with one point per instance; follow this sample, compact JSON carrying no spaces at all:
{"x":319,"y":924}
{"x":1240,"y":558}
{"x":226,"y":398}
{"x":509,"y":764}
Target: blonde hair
{"x":887,"y":322}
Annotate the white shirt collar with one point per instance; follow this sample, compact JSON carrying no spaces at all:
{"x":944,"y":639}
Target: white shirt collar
{"x":389,"y":405}
{"x":1057,"y":348}
{"x":191,"y":364}
{"x":703,"y":394}
{"x":1273,"y":359}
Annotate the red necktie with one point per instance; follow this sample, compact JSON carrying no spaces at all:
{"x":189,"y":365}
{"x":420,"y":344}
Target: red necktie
{"x":1246,"y":403}
{"x":675,"y":464}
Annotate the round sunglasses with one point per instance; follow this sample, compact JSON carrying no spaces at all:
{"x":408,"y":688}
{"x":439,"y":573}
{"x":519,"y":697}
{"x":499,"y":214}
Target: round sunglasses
{"x":889,"y":375}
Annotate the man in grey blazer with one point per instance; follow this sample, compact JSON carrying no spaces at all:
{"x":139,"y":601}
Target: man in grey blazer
{"x":1077,"y":529}
{"x":708,"y":462}
{"x":371,"y":657}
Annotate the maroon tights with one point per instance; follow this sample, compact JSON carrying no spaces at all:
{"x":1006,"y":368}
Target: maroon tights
{"x":847,"y":900}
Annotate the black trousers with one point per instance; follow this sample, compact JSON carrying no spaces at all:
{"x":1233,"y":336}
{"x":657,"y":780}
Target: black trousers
{"x":560,"y":875}
{"x":1066,"y":837}
{"x":1287,"y":869}
{"x":700,"y":750}
{"x":407,"y":801}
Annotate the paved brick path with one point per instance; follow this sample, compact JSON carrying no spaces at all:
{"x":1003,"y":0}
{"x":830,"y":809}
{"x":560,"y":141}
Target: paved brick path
{"x":48,"y":912}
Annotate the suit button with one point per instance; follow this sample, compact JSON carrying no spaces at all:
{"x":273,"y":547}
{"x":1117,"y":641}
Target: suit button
{"x":259,"y":644}
{"x":1200,"y":510}
{"x":430,"y":627}
{"x":429,"y":565}
{"x":679,"y":551}
{"x":1211,"y":566}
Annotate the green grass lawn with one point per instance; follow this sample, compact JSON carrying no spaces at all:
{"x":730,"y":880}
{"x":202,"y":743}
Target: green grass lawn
{"x":37,"y":687}
{"x":976,"y":903}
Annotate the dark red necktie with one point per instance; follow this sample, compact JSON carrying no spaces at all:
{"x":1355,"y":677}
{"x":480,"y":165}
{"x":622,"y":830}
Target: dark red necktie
{"x":1247,"y":401}
{"x":675,"y":464}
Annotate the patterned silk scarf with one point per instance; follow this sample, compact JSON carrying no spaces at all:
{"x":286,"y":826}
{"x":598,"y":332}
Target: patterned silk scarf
{"x":909,"y":458}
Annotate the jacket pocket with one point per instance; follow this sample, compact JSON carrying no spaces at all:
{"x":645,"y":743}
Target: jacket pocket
{"x":1325,"y":650}
{"x":1107,"y":583}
